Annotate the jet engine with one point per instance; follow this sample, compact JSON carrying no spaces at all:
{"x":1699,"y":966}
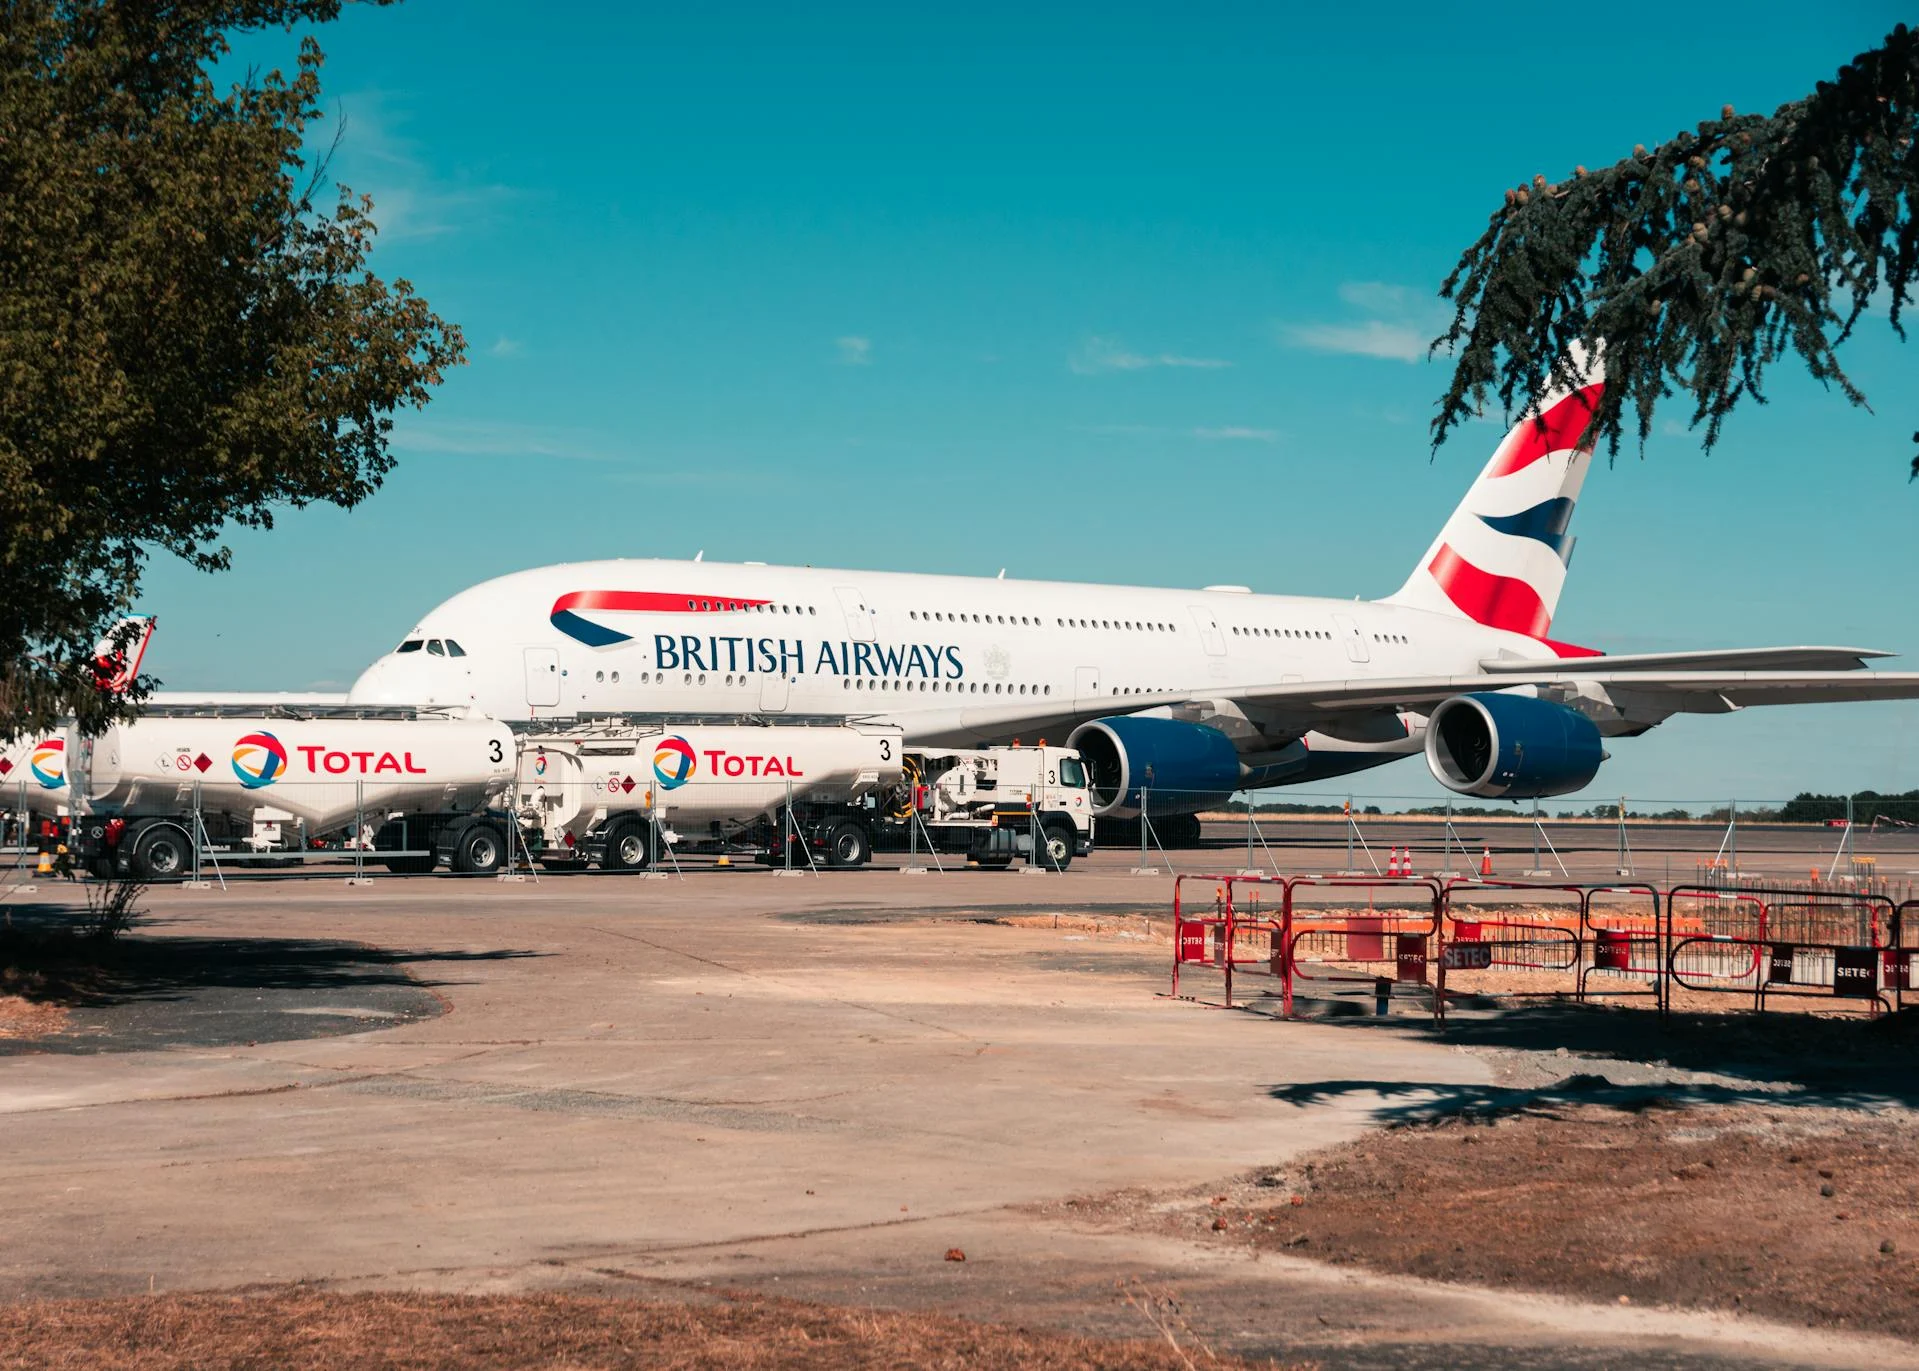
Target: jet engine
{"x":1186,"y":767}
{"x":1513,"y":747}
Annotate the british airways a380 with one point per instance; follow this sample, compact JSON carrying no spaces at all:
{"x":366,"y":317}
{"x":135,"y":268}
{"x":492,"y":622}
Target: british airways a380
{"x":1191,"y":695}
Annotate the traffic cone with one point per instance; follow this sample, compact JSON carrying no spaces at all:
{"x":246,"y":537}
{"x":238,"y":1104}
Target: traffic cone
{"x":1486,"y":862}
{"x":724,"y":861}
{"x":46,"y":863}
{"x":1392,"y":864}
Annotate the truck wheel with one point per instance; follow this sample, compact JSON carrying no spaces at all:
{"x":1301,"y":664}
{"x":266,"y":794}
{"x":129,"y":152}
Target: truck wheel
{"x":629,"y":847}
{"x":848,"y":846}
{"x":163,"y":852}
{"x":1061,"y":838}
{"x":481,"y":851}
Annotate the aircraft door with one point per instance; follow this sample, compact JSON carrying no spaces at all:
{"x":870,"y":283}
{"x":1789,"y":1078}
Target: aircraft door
{"x":1356,"y":649}
{"x":1209,"y":635}
{"x":1086,"y":685}
{"x":774,"y":691}
{"x":859,"y":614}
{"x":542,"y":677}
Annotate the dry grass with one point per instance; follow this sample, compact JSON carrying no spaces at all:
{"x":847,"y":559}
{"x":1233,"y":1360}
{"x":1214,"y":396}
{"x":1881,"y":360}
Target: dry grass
{"x":24,"y":1018}
{"x":298,"y":1328}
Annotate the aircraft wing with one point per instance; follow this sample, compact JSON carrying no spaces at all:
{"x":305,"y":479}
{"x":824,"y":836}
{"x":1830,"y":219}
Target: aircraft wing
{"x":1632,"y":700}
{"x":1713,"y":659}
{"x":1669,"y":692}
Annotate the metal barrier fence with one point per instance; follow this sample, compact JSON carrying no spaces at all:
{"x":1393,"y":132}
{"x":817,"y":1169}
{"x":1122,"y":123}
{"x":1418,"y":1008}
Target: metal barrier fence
{"x":1781,"y":942}
{"x":1381,"y":946}
{"x":1385,"y":945}
{"x":1902,"y":961}
{"x":1580,"y":941}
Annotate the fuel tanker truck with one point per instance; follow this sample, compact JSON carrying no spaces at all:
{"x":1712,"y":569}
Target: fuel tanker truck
{"x":239,"y":784}
{"x":612,"y":792}
{"x":33,"y":788}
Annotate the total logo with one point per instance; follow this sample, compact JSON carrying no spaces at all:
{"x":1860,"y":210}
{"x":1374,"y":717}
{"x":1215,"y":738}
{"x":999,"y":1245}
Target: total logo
{"x":49,"y":763}
{"x":259,"y":760}
{"x":673,"y":763}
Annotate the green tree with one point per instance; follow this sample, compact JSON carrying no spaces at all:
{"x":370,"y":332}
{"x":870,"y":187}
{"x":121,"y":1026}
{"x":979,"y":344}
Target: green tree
{"x":1703,"y":261}
{"x":189,"y":336}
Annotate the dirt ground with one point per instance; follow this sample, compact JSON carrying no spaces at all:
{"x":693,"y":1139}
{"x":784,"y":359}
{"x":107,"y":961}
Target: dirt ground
{"x":1808,"y":1215}
{"x":295,"y":1328}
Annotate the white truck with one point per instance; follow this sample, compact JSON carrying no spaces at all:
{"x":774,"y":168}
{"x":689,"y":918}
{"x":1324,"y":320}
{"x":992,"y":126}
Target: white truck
{"x":265,"y":784}
{"x":611,"y":792}
{"x":987,"y":803}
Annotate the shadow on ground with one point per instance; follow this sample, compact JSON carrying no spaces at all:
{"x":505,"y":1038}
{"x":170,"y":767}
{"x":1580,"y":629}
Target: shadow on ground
{"x":1777,"y":1059}
{"x":135,"y":993}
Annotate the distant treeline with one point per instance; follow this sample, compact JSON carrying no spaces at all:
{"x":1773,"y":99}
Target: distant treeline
{"x":1804,"y":808}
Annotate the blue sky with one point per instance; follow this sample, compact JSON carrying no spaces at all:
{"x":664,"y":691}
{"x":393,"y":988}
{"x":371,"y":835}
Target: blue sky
{"x":1114,"y":293}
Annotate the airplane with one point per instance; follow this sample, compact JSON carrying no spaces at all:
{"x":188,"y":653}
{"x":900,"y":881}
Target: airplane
{"x":1188,"y":696}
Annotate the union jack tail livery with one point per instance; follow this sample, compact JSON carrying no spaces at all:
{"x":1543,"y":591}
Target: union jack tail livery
{"x":1501,"y":559}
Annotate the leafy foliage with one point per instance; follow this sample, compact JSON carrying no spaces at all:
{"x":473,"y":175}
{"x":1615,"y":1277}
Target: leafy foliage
{"x":1703,"y":261}
{"x":187,"y":339}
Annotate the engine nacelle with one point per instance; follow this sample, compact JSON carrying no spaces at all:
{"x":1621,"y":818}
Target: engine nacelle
{"x":1513,"y":747}
{"x":1185,"y":767}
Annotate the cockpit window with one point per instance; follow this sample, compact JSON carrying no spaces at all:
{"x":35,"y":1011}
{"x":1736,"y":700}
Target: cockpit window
{"x":433,"y":646}
{"x":453,"y":649}
{"x":410,"y":645}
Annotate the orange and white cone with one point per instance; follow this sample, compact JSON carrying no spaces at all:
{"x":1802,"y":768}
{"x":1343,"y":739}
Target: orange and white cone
{"x":1486,"y":862}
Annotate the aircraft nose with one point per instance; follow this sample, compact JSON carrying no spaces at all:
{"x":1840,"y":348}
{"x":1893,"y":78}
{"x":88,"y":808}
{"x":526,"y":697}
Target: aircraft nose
{"x":379,"y":684}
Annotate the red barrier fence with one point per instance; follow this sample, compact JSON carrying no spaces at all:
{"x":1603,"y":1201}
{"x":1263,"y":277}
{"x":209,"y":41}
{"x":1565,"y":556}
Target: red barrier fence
{"x":1561,"y":939}
{"x":1769,"y":943}
{"x":1902,"y":961}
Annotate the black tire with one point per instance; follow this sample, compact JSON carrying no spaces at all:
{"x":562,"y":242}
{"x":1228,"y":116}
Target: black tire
{"x":848,"y":846}
{"x":480,"y":851}
{"x":162,"y":852}
{"x":1060,"y":838}
{"x":629,"y":846}
{"x":409,"y":866}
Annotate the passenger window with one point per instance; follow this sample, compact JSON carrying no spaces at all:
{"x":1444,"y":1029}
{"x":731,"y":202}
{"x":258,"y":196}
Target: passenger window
{"x":433,"y":646}
{"x":410,"y":645}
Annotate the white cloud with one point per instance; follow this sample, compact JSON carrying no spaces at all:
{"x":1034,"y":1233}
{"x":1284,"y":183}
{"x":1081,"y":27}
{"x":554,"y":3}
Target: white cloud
{"x":506,"y":347}
{"x":1370,"y":338}
{"x":1403,"y":324}
{"x":854,"y":351}
{"x":1237,"y":433}
{"x":485,"y":439}
{"x":1101,"y":354}
{"x":410,"y":198}
{"x":1376,"y":297}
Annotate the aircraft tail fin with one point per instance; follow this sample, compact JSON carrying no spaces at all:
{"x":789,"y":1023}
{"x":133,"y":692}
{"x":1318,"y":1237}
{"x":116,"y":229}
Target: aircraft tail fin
{"x":117,"y":656}
{"x":1501,"y":559}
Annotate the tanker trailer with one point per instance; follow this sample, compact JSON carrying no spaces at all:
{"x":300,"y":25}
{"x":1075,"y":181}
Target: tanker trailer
{"x":150,"y":783}
{"x":607,"y":792}
{"x":33,"y":788}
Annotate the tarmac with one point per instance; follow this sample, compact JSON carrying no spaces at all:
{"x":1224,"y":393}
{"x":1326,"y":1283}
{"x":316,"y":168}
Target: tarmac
{"x":813,"y":1087}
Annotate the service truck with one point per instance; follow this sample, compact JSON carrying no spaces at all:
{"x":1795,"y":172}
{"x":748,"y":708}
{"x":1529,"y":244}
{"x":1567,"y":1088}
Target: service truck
{"x":610,"y":792}
{"x":265,"y":784}
{"x":985,"y":803}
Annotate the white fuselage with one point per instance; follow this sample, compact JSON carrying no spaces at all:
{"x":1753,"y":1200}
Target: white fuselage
{"x":950,"y":660}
